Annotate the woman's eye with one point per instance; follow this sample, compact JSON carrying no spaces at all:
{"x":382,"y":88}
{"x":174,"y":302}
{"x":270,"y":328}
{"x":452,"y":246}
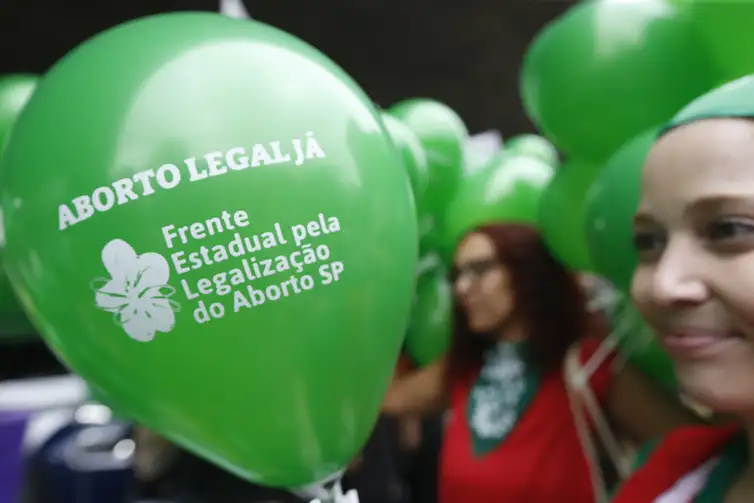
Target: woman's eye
{"x":729,"y":229}
{"x":645,"y":241}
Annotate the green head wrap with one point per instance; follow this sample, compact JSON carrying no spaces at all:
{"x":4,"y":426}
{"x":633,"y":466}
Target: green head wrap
{"x":734,"y":99}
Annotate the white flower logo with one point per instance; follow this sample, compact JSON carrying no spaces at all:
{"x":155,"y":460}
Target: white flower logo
{"x":137,"y":292}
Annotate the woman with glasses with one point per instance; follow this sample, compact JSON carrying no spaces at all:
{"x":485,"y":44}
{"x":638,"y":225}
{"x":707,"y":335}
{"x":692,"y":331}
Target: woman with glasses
{"x":510,"y":434}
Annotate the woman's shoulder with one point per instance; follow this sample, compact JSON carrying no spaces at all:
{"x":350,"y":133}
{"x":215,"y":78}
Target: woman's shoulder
{"x":662,"y":463}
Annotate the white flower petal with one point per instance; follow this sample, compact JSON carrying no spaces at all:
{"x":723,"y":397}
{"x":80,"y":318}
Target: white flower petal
{"x":119,"y":258}
{"x":126,"y":314}
{"x":158,"y":292}
{"x":111,"y":296}
{"x":153,"y":270}
{"x":161,"y":315}
{"x":139,"y":329}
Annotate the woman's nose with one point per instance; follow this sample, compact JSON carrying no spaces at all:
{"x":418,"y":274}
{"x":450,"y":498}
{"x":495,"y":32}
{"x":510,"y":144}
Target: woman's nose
{"x":678,"y":278}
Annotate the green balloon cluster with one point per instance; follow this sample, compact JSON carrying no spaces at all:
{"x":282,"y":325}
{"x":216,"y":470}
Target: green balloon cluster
{"x":608,"y":69}
{"x":725,"y":28}
{"x":413,"y":155}
{"x":508,"y":189}
{"x":229,"y":258}
{"x":532,"y":145}
{"x":610,"y":207}
{"x":429,"y":330}
{"x":15,"y":92}
{"x":443,"y":135}
{"x":561,"y":213}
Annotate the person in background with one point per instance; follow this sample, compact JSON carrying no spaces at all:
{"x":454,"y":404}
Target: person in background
{"x":510,"y":435}
{"x":380,"y":473}
{"x":694,"y":284}
{"x":165,"y":472}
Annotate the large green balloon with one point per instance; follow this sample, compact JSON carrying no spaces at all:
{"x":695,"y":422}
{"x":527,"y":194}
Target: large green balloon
{"x":429,"y":331}
{"x":725,"y":26}
{"x":413,"y":155}
{"x":15,"y":91}
{"x":221,"y":238}
{"x":535,"y":146}
{"x":610,"y":207}
{"x":508,"y":189}
{"x":561,"y":213}
{"x":443,"y":134}
{"x":608,"y":69}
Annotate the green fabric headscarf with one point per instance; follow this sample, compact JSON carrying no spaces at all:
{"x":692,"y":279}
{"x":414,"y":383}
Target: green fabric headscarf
{"x":733,"y":99}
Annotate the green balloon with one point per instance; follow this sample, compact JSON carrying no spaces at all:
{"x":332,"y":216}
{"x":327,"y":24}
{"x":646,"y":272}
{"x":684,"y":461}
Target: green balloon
{"x":443,"y":135}
{"x":15,"y":91}
{"x":413,"y":155}
{"x":429,"y":330}
{"x":534,"y":146}
{"x":611,"y":204}
{"x":725,"y":27}
{"x":608,"y":69}
{"x":429,"y":234}
{"x":508,"y":189}
{"x":561,"y":213}
{"x":639,"y":345}
{"x":199,"y":240}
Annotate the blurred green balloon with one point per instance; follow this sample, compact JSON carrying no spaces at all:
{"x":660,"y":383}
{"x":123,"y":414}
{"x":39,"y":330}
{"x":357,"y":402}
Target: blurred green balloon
{"x":508,"y":189}
{"x":639,"y":345}
{"x":15,"y":92}
{"x":443,"y":135}
{"x":725,"y":27}
{"x":608,"y":69}
{"x":429,"y":234}
{"x":533,"y":145}
{"x":413,"y":155}
{"x":562,"y":211}
{"x":610,"y":207}
{"x":200,"y":242}
{"x":429,"y":330}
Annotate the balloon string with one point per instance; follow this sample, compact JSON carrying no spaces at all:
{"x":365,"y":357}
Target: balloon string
{"x":427,"y":263}
{"x":607,"y":347}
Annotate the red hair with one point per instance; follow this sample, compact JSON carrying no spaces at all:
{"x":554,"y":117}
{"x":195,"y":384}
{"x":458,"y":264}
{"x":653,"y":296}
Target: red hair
{"x":548,"y":300}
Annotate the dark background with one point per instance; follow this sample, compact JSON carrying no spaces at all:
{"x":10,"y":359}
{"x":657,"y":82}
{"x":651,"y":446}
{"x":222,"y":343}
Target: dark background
{"x":466,"y":53}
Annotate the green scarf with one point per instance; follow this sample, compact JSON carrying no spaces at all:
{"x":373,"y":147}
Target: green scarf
{"x":732,"y":462}
{"x":506,"y":385}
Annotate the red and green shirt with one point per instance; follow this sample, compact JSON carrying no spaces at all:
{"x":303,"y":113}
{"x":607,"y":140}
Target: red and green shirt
{"x":540,"y":460}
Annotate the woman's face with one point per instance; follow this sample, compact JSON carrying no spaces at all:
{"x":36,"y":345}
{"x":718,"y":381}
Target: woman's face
{"x":482,"y":284}
{"x":694,"y":232}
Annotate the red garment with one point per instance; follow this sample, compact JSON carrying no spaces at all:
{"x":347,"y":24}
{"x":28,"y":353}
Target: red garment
{"x":678,"y":454}
{"x":540,"y":461}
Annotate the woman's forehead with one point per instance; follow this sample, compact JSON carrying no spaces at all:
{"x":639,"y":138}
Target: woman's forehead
{"x":706,"y":159}
{"x":475,"y":245}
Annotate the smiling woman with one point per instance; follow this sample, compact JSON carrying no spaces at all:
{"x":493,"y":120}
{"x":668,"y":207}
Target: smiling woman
{"x":694,"y":233}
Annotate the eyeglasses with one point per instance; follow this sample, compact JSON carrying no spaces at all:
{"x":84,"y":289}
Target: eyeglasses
{"x":476,"y":269}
